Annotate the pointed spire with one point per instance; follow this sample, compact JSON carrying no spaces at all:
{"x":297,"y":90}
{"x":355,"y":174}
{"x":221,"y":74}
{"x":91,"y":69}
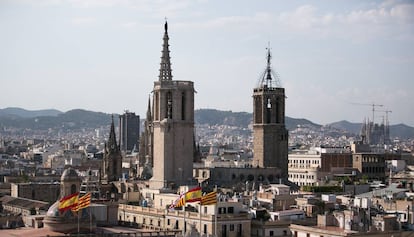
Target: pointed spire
{"x":149,"y":116}
{"x":165,"y":65}
{"x":112,"y":146}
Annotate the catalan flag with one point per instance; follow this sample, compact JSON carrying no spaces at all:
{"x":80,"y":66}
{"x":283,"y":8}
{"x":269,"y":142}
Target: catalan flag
{"x":68,"y":202}
{"x":84,"y":202}
{"x":209,"y":199}
{"x":179,"y":202}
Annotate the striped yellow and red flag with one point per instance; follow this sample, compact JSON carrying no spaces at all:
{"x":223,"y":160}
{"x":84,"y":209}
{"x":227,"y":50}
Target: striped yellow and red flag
{"x":68,"y":202}
{"x":84,"y":202}
{"x":209,"y":199}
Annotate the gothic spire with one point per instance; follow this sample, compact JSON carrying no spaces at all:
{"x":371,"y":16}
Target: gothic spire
{"x":112,"y":146}
{"x":165,"y":65}
{"x":149,"y":117}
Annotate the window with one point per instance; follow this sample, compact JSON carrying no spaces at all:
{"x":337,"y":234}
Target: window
{"x":271,"y":233}
{"x":231,"y":227}
{"x":183,"y":107}
{"x":168,"y":222}
{"x":73,"y":188}
{"x":169,"y":105}
{"x":230,"y":210}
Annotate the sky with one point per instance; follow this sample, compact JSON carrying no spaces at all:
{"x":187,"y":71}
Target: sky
{"x":334,"y":58}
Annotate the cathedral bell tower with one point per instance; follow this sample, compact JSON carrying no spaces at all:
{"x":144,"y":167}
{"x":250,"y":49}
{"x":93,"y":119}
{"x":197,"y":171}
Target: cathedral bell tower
{"x":270,"y":141}
{"x":173,"y":126}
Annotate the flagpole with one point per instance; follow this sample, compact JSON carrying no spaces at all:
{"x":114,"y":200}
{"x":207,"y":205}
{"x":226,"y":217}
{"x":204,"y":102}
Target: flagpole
{"x":184,"y":219}
{"x":90,"y":220}
{"x":78,"y":222}
{"x":200,"y":217}
{"x":215,"y":214}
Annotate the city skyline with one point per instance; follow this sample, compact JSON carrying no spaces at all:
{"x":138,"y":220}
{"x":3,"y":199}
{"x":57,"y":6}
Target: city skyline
{"x":332,"y":57}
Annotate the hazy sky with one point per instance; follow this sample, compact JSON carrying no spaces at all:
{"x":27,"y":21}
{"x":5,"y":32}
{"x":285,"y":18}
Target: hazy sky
{"x":103,"y":55}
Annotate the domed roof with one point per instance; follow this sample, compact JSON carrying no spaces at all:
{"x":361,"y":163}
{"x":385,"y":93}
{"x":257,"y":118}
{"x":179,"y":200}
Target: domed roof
{"x":69,"y":174}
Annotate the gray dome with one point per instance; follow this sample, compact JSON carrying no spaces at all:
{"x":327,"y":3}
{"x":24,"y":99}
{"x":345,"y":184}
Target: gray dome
{"x":69,"y":174}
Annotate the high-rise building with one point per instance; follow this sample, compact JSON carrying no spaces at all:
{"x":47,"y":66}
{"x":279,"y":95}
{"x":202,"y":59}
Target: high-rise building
{"x":270,"y":135}
{"x":129,"y":132}
{"x":173,"y":126}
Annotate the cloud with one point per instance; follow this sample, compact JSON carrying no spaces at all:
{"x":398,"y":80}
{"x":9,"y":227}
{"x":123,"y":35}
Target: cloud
{"x":391,"y":20}
{"x":84,"y":21}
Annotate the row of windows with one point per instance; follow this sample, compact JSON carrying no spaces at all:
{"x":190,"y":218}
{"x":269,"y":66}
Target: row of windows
{"x":373,"y":169}
{"x":230,"y":227}
{"x":371,"y":159}
{"x":304,"y":183}
{"x":314,"y":162}
{"x":301,"y":176}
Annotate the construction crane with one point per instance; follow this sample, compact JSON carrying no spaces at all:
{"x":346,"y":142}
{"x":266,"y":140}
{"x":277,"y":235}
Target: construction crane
{"x":373,"y":108}
{"x":386,"y":114}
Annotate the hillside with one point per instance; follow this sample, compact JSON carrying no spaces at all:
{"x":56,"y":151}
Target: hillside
{"x":13,"y":112}
{"x":80,"y":119}
{"x":46,"y":119}
{"x":239,"y":119}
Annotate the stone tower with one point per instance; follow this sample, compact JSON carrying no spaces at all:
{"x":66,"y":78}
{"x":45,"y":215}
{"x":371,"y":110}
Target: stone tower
{"x":270,"y":141}
{"x":69,"y":182}
{"x":112,"y":160}
{"x":173,"y":126}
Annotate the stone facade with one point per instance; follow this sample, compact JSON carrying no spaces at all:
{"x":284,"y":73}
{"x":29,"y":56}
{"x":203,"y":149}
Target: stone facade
{"x":173,"y":127}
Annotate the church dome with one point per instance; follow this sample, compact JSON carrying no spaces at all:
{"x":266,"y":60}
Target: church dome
{"x":69,"y":174}
{"x":68,"y":221}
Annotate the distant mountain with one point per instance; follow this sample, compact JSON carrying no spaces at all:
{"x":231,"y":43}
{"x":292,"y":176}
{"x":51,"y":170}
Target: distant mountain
{"x":13,"y":112}
{"x":71,"y":120}
{"x":401,"y":131}
{"x":80,"y":119}
{"x":239,"y":119}
{"x":218,"y":117}
{"x":344,"y":125}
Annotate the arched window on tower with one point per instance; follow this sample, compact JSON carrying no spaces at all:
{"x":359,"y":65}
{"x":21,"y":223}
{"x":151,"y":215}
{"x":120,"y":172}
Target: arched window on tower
{"x":183,"y":107}
{"x":258,"y":109}
{"x":278,"y":117}
{"x":169,"y":105}
{"x":268,"y":110}
{"x":156,"y":106}
{"x":73,"y":189}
